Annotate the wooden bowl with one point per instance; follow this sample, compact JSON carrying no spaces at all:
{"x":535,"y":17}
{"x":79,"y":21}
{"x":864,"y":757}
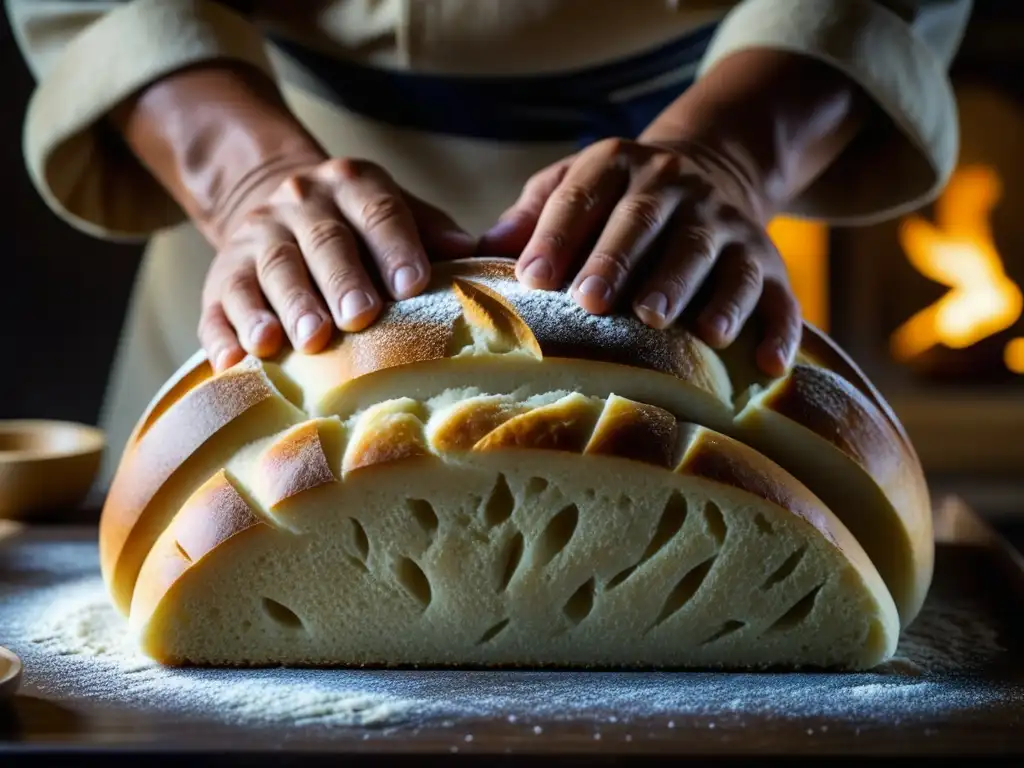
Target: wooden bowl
{"x":10,"y":673}
{"x":46,"y":466}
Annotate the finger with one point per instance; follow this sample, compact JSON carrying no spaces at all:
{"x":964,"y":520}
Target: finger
{"x":285,"y":282}
{"x":636,"y":221}
{"x":783,"y":326}
{"x":218,"y":338}
{"x":516,"y":225}
{"x":242,"y":304}
{"x":376,"y":209}
{"x":441,"y":236}
{"x":571,"y":217}
{"x":739,"y":285}
{"x":689,"y":254}
{"x":331,"y":254}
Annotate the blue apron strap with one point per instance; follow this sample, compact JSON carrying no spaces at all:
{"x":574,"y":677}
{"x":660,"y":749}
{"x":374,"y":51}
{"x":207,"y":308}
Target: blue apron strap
{"x":616,"y":99}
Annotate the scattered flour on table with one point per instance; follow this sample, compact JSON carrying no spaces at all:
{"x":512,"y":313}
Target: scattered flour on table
{"x":76,"y":648}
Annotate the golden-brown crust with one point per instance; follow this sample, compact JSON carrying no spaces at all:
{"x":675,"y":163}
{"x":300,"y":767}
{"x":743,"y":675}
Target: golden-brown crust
{"x":465,"y":424}
{"x":189,"y":379}
{"x":824,"y":392}
{"x":721,"y":459}
{"x":565,"y":425}
{"x":386,"y":433}
{"x":824,"y":352}
{"x":635,"y":431}
{"x":213,"y":514}
{"x":840,"y":414}
{"x":423,"y":328}
{"x":489,"y":311}
{"x":294,"y":463}
{"x":151,"y":461}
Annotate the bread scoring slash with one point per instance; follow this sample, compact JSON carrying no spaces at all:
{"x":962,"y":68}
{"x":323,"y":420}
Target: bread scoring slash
{"x":491,"y":476}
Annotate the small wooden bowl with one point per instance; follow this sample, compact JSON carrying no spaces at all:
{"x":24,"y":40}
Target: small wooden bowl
{"x":10,"y":673}
{"x":46,"y":466}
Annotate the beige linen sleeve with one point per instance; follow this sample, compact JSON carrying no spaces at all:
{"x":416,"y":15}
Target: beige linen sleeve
{"x":89,"y":55}
{"x":899,"y":52}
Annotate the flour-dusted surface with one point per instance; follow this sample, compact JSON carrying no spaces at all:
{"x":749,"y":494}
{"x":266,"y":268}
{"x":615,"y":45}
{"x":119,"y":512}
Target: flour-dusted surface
{"x":55,"y":614}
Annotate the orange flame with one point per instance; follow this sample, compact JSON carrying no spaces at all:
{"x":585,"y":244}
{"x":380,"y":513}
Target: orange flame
{"x":803,"y":246}
{"x":959,"y":252}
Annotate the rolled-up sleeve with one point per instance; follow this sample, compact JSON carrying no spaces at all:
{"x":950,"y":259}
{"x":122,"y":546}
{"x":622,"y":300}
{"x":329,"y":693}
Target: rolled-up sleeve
{"x":88,"y":56}
{"x":899,"y":53}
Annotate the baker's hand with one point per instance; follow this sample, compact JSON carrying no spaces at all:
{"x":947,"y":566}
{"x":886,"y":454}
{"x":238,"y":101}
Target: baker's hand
{"x":688,"y":213}
{"x":308,"y":254}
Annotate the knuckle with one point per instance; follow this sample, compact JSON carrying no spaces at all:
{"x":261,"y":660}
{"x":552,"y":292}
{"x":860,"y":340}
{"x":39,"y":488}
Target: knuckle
{"x":663,"y":167}
{"x":346,"y":168}
{"x":238,"y":282}
{"x":749,"y":275}
{"x":697,"y":244}
{"x":393,"y":258}
{"x":674,"y":284}
{"x":730,"y":215}
{"x":380,"y":211}
{"x":611,"y":147}
{"x":576,"y":197}
{"x":275,"y":257}
{"x":296,"y":301}
{"x":614,"y":264}
{"x":539,"y":187}
{"x":328,"y":233}
{"x":294,"y":189}
{"x":341,"y":280}
{"x":257,"y":216}
{"x":644,"y":210}
{"x":729,"y":307}
{"x":552,"y":241}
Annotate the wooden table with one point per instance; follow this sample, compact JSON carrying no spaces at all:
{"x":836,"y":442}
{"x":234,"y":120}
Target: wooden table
{"x":971,"y":560}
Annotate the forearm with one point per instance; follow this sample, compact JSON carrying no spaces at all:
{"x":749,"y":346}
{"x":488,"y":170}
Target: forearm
{"x":784,"y":117}
{"x":213,"y":136}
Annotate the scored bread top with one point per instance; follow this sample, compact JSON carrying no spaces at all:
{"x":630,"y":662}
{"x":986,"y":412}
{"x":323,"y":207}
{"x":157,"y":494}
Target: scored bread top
{"x":478,"y":331}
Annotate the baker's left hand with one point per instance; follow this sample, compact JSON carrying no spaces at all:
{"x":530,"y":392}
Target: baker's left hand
{"x":686,"y":213}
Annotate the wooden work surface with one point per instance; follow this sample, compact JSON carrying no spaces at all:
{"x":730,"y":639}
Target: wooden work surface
{"x":973,"y":568}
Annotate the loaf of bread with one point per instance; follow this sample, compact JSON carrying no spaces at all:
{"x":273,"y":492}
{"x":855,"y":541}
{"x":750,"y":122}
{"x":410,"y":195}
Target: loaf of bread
{"x":489,"y":475}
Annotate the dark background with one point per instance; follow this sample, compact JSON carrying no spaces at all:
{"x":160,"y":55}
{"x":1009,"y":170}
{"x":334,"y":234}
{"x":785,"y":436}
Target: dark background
{"x":63,"y":295}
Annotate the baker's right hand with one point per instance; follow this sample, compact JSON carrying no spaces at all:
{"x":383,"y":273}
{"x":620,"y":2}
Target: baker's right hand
{"x":311,"y":255}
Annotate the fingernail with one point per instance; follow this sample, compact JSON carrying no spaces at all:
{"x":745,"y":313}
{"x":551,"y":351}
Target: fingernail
{"x":404,"y":280}
{"x":595,"y":287}
{"x":221,"y":361}
{"x":539,"y":269}
{"x":257,"y":335}
{"x":782,"y":351}
{"x":719,"y":324}
{"x":354,"y":303}
{"x":656,"y":303}
{"x":779,"y":351}
{"x":308,"y":325}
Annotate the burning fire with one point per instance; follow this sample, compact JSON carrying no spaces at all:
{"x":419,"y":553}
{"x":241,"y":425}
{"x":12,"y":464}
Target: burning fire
{"x":958,"y":251}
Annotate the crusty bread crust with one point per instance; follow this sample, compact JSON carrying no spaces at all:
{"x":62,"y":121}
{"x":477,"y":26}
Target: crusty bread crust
{"x":485,"y":345}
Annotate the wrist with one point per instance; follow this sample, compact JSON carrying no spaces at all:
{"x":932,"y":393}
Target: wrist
{"x":781,"y":117}
{"x":219,"y":138}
